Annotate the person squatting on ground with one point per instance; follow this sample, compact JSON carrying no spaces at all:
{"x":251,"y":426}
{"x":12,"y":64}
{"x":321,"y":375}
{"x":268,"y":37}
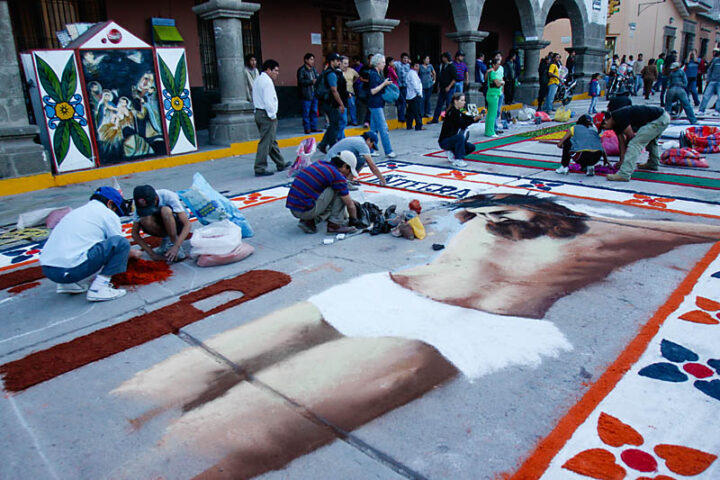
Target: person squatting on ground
{"x":582,"y":144}
{"x":376,"y":102}
{"x":86,"y":241}
{"x":636,"y":127}
{"x":453,"y":135}
{"x":713,"y":84}
{"x":319,"y":192}
{"x":414,"y":94}
{"x":677,"y":90}
{"x":160,"y":214}
{"x":266,"y":108}
{"x":332,"y":100}
{"x":492,"y":97}
{"x":307,"y":77}
{"x":361,"y":147}
{"x":446,"y":85}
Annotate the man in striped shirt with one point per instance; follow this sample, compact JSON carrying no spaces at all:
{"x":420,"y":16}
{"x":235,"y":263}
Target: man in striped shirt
{"x":320,"y":192}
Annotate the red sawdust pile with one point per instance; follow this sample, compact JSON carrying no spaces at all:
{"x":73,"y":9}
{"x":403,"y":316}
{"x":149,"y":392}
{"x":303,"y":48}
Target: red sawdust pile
{"x":65,"y":357}
{"x":21,"y":288}
{"x":19,"y":277}
{"x":143,"y":272}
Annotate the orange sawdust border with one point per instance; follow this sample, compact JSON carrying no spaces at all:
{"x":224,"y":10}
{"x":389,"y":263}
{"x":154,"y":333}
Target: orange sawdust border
{"x":538,"y":462}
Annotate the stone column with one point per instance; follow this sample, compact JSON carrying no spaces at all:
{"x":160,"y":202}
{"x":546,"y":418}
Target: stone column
{"x":588,"y":60}
{"x":19,"y":154}
{"x":234,"y":121}
{"x":529,"y":81}
{"x":372,"y":24}
{"x":467,"y":43}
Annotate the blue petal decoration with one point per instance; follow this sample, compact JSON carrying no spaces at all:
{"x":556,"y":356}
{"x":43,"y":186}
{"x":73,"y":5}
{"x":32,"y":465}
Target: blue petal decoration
{"x":21,"y":258}
{"x":715,"y":363}
{"x":711,"y":388}
{"x":14,"y":253}
{"x":677,"y":353}
{"x":667,"y":372}
{"x":715,"y":275}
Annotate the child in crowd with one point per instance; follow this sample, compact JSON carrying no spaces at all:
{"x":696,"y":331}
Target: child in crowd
{"x":582,"y":144}
{"x":160,"y":214}
{"x":594,"y":92}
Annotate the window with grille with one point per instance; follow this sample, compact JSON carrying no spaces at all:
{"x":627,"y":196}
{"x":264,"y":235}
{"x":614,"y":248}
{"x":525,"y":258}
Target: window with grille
{"x":35,"y":22}
{"x":251,"y":45}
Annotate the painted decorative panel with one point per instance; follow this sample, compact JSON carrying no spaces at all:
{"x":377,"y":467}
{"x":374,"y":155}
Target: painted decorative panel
{"x":122,"y":93}
{"x":176,"y":100}
{"x":64,"y":109}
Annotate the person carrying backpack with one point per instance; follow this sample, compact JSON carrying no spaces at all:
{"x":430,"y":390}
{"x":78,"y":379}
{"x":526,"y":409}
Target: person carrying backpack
{"x":331,"y":91}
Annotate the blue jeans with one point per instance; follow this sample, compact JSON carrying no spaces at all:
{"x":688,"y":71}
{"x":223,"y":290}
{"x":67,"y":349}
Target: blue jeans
{"x":343,"y":124}
{"x":638,"y":83}
{"x":552,"y":90}
{"x":352,"y":110}
{"x":458,"y":87}
{"x":109,"y":257}
{"x":692,"y":90}
{"x":309,"y":114}
{"x":333,"y":130}
{"x":400,"y":104}
{"x":443,"y":101}
{"x":457,"y":145}
{"x":498,"y":119}
{"x":678,"y":93}
{"x":427,"y":92}
{"x":593,"y":104}
{"x":379,"y":125}
{"x":712,"y":88}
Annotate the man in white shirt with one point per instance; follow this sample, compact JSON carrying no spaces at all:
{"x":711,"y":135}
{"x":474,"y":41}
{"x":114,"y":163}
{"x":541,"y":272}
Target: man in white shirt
{"x":87,"y":240}
{"x":414,"y":96}
{"x":266,"y":107}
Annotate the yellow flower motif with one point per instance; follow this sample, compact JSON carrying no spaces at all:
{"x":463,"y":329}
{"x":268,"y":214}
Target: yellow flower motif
{"x":177,"y":103}
{"x":64,"y":111}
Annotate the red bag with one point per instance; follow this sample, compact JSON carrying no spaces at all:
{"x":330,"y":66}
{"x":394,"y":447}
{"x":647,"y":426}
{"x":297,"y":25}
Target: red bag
{"x":610,"y":142}
{"x":704,"y":139}
{"x":683,"y":157}
{"x":543,"y":116}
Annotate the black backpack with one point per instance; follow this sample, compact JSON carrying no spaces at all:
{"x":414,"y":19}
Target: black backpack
{"x":322,"y":90}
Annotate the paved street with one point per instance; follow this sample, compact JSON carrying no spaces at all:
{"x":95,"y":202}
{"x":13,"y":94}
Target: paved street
{"x":566,"y":328}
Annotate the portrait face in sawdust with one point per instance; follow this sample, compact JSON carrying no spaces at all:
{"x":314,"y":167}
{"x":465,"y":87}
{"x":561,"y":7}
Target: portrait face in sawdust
{"x":517,"y":255}
{"x":513,"y":257}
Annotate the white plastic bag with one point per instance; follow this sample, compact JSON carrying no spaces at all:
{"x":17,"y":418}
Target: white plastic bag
{"x":218,"y":238}
{"x":525,"y":114}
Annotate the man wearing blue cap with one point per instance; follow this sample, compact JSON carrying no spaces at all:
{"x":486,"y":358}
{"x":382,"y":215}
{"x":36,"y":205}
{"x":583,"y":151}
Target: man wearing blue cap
{"x":360,"y":147}
{"x":89,"y":240}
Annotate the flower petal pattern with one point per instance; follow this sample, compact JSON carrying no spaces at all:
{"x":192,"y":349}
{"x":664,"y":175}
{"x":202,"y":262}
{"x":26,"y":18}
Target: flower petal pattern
{"x":615,"y":433}
{"x":684,"y":460}
{"x":596,"y":463}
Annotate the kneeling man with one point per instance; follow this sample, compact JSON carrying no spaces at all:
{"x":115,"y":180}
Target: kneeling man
{"x":320,"y":192}
{"x":87,"y":240}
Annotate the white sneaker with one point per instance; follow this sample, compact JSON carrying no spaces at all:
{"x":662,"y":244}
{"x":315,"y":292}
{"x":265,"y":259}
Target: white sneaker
{"x":459,"y":163}
{"x":493,"y":136}
{"x":102,"y":294}
{"x":391,"y":155}
{"x":562,"y":170}
{"x":590,"y":171}
{"x":71,"y":288}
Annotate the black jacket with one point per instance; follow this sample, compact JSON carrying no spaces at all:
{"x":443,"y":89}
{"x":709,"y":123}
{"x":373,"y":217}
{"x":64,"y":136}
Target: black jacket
{"x":454,"y":122}
{"x":306,"y":80}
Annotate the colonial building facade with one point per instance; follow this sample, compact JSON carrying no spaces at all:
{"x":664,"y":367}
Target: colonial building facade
{"x":218,"y":33}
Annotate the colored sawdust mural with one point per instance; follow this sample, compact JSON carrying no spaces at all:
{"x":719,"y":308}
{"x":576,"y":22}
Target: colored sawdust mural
{"x":317,"y":363}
